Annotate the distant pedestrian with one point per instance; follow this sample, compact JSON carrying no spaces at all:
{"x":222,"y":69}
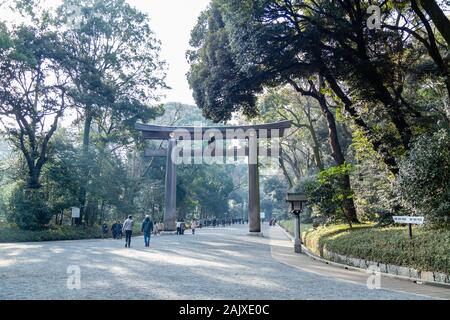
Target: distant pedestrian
{"x":128,"y":228}
{"x":104,"y":229}
{"x":193,"y":225}
{"x":182,"y":226}
{"x":147,"y":228}
{"x":114,"y":230}
{"x":119,"y":231}
{"x":156,"y":228}
{"x":159,"y":228}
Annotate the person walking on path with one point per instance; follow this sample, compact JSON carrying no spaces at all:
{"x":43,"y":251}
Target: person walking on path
{"x":105,"y":229}
{"x":128,"y":228}
{"x":147,"y":228}
{"x":193,"y":225}
{"x":119,"y":230}
{"x":158,"y":227}
{"x":114,"y":230}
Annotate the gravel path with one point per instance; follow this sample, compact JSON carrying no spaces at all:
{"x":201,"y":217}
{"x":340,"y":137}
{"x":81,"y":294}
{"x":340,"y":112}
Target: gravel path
{"x":221,"y":263}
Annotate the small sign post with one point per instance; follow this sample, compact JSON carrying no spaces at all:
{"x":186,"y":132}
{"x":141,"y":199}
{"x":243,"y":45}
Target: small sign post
{"x":409,"y":220}
{"x":75,"y":213}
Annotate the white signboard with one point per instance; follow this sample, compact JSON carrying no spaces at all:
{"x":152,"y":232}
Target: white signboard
{"x":408,"y":219}
{"x":263,"y":215}
{"x":75,"y":212}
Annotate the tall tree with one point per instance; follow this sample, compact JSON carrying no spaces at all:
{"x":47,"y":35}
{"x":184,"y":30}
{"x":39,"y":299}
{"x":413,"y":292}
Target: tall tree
{"x":113,"y":61}
{"x":242,"y":46}
{"x":314,"y":92}
{"x":32,"y":92}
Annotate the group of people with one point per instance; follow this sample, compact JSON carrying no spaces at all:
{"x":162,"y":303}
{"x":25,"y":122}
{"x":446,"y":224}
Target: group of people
{"x":147,"y":228}
{"x":220,"y":222}
{"x":181,"y":226}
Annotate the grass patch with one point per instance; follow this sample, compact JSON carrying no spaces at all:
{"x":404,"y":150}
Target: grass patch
{"x":429,"y":250}
{"x":288,"y":225}
{"x":13,"y":234}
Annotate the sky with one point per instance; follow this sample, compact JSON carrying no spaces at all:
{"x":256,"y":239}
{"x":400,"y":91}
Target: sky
{"x":172,"y":22}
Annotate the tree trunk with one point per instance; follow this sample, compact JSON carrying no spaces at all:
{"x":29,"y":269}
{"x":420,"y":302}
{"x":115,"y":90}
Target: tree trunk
{"x":316,"y":149}
{"x":336,"y":150}
{"x":33,"y":178}
{"x":283,"y":168}
{"x":387,"y":158}
{"x":312,"y":132}
{"x":85,"y":170}
{"x":338,"y":156}
{"x":439,"y":18}
{"x":443,"y":25}
{"x":102,"y":212}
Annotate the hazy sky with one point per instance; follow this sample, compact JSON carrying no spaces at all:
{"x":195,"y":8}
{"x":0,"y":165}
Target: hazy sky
{"x":172,"y":22}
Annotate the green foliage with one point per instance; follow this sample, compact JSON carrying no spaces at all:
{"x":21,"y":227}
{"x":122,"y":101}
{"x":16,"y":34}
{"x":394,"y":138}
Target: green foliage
{"x":425,"y":175}
{"x":205,"y":186}
{"x":242,"y":48}
{"x":61,"y":175}
{"x":48,"y":64}
{"x":333,"y":173}
{"x":273,"y":195}
{"x":28,"y":208}
{"x":427,"y":251}
{"x":373,"y":184}
{"x":325,"y":193}
{"x":220,"y":86}
{"x":31,"y":93}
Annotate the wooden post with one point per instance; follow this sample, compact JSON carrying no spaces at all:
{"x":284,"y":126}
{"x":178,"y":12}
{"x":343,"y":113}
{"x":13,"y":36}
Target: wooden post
{"x":410,"y":230}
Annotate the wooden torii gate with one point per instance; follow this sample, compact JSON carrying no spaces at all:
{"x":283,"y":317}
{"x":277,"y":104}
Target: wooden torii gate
{"x":251,"y":133}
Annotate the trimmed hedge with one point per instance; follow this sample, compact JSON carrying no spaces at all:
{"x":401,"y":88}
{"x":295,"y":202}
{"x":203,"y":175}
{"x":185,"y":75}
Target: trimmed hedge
{"x":429,"y":250}
{"x":14,"y":234}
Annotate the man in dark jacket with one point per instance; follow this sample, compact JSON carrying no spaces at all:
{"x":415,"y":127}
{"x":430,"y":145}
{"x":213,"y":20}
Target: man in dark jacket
{"x":114,"y":230}
{"x":147,"y":228}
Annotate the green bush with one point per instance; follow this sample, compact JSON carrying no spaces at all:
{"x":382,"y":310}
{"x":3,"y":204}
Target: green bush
{"x":326,"y":194}
{"x":28,"y":208}
{"x":424,"y":178}
{"x":427,"y":251}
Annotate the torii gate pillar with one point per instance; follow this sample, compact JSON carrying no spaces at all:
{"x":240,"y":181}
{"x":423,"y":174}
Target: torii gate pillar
{"x":254,"y":215}
{"x":170,"y":214}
